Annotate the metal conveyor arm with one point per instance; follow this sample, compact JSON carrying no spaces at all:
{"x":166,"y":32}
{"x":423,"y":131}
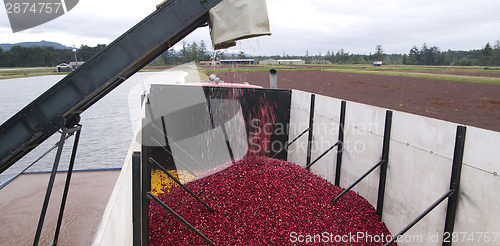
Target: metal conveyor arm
{"x":62,"y":104}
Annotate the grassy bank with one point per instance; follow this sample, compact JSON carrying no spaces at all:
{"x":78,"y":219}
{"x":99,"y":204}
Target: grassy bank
{"x":467,"y":74}
{"x":13,"y":73}
{"x":472,"y":74}
{"x":453,"y":73}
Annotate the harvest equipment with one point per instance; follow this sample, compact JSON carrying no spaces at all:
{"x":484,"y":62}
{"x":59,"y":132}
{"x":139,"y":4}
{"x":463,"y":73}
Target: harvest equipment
{"x":406,"y":165}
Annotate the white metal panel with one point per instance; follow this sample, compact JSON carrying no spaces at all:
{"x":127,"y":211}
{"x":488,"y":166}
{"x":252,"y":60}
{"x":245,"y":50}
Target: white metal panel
{"x":419,"y":173}
{"x":482,"y":149}
{"x":430,"y":135}
{"x":363,"y":140}
{"x":299,"y":121}
{"x":325,"y":134}
{"x":477,"y":210}
{"x":116,"y":224}
{"x":415,"y":180}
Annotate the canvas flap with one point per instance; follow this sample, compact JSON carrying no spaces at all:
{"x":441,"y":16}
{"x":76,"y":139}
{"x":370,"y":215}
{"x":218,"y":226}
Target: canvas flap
{"x":232,"y":20}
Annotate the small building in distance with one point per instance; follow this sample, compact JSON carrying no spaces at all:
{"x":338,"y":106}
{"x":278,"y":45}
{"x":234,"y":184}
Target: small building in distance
{"x":282,"y":62}
{"x":237,"y":61}
{"x":268,"y":62}
{"x":209,"y":62}
{"x":75,"y":65}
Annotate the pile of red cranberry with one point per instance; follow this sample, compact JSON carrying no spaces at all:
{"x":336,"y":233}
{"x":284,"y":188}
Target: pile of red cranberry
{"x":264,"y":201}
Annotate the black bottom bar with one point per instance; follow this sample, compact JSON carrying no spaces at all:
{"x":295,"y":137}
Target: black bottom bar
{"x":291,"y":142}
{"x":422,"y":215}
{"x":357,"y":181}
{"x":321,"y":156}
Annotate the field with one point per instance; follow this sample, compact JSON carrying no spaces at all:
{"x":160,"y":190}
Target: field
{"x":465,"y":95}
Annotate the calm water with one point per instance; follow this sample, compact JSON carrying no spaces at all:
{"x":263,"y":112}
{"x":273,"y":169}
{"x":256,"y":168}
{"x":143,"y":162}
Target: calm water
{"x":107,"y":126}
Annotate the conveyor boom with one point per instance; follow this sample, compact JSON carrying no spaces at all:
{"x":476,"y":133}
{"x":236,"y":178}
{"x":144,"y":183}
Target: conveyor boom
{"x":62,"y":104}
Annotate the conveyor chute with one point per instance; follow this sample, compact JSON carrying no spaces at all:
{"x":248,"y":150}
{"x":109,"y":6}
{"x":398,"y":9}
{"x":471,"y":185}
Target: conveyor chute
{"x":62,"y":104}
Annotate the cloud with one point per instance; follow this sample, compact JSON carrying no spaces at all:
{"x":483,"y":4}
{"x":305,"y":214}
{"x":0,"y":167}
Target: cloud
{"x":356,"y":26}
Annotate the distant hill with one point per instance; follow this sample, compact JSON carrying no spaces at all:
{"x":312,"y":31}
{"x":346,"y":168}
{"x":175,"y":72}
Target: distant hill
{"x":31,"y":44}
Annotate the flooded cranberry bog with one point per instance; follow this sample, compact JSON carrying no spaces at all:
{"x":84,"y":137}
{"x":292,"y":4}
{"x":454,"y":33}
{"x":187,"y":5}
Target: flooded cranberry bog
{"x":262,"y":166}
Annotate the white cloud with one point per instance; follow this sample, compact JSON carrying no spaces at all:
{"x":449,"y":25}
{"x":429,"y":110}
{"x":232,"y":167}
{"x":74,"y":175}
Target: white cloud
{"x":357,"y":26}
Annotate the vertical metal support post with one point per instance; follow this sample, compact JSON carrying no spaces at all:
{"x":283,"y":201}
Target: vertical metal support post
{"x":311,"y":123}
{"x":383,"y":168}
{"x":145,"y":187}
{"x":164,"y":126}
{"x":455,"y":182}
{"x":136,"y":199}
{"x":340,"y":148}
{"x":50,"y":186}
{"x":273,"y":79}
{"x":78,"y":129}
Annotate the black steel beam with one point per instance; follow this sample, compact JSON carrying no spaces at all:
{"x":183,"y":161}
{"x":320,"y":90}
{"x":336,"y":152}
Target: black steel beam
{"x":456,"y":172}
{"x":67,"y":183}
{"x":49,"y":187}
{"x":99,"y":75}
{"x":136,"y":199}
{"x":357,"y":181}
{"x":290,"y":143}
{"x":341,"y":143}
{"x":145,"y":187}
{"x":383,"y":168}
{"x":311,"y":124}
{"x":323,"y":154}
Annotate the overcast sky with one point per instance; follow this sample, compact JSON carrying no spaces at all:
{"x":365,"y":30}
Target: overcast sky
{"x":317,"y":26}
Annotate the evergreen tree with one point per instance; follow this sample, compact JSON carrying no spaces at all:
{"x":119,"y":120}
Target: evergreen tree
{"x":486,"y":55}
{"x":1,"y":58}
{"x":495,"y":60}
{"x":379,"y":53}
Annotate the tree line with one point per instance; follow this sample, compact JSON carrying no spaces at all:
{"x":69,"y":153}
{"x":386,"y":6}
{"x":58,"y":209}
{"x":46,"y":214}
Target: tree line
{"x":44,"y":56}
{"x":36,"y":56}
{"x":489,"y":55}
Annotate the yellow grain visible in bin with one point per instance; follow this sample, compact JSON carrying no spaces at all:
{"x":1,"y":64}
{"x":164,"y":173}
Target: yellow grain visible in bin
{"x":161,"y":183}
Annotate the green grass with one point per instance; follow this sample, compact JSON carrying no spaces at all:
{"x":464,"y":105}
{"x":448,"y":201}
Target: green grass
{"x":429,"y":72}
{"x":412,"y":73}
{"x":7,"y":73}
